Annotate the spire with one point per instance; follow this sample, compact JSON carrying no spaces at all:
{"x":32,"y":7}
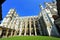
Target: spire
{"x":46,"y":3}
{"x":41,"y":7}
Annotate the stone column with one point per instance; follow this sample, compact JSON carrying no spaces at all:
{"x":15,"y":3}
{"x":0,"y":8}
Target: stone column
{"x":26,"y":24}
{"x":11,"y":32}
{"x":20,"y":29}
{"x":25,"y":27}
{"x":35,"y":28}
{"x":7,"y":31}
{"x":39,"y":28}
{"x":0,"y":31}
{"x":30,"y":26}
{"x":15,"y":33}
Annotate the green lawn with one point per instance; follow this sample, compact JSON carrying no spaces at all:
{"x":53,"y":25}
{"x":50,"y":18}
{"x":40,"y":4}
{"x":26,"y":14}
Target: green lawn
{"x":30,"y":38}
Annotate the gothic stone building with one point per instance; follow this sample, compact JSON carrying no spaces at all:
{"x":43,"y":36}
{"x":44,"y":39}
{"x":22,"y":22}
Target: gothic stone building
{"x":42,"y":24}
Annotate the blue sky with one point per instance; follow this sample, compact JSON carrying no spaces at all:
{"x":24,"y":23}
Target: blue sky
{"x":23,"y":7}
